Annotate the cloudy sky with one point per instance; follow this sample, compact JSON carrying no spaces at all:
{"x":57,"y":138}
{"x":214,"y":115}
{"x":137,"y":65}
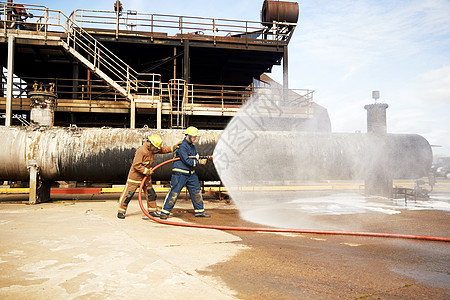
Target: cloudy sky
{"x":346,"y":49}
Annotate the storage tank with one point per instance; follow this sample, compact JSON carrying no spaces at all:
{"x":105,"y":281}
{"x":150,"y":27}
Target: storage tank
{"x":280,"y":11}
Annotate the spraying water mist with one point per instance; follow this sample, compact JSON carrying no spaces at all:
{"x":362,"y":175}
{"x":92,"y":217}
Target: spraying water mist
{"x":267,"y":153}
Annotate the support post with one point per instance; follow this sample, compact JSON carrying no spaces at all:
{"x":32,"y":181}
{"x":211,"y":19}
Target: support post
{"x":175,"y":63}
{"x":133,"y":114}
{"x":285,"y":73}
{"x":158,"y":114}
{"x":75,"y":77}
{"x":34,"y":182}
{"x":186,"y":65}
{"x":39,"y":190}
{"x":9,"y":81}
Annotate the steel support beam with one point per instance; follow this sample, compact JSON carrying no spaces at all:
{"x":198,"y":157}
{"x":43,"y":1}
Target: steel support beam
{"x":9,"y":81}
{"x":186,"y":65}
{"x":175,"y":63}
{"x":285,"y":69}
{"x":39,"y":190}
{"x":133,"y":114}
{"x":75,"y":76}
{"x":158,"y":114}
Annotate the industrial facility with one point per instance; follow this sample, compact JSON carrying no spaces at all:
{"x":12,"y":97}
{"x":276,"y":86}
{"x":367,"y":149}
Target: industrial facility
{"x":81,"y":91}
{"x":129,"y":69}
{"x":100,"y":103}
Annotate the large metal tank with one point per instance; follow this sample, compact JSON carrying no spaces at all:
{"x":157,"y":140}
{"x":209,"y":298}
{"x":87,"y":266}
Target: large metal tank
{"x":286,"y":156}
{"x":280,"y":11}
{"x":91,"y":154}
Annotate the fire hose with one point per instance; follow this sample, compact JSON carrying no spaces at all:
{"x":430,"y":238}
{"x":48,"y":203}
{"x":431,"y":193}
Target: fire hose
{"x":268,"y":229}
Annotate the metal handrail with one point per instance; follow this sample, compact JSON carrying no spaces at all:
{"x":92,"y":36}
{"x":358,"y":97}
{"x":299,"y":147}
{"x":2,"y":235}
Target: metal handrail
{"x":182,"y":25}
{"x":40,"y":19}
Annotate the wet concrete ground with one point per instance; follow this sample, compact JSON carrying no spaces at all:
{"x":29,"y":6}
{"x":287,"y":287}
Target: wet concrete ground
{"x":78,"y":249}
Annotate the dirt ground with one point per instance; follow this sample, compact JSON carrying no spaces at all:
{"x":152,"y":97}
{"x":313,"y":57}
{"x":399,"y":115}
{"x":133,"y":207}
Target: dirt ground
{"x":305,"y":266}
{"x":211,"y":264}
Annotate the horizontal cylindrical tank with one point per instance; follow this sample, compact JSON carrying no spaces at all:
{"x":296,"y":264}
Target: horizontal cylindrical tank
{"x":284,"y":156}
{"x":91,"y":154}
{"x":105,"y":154}
{"x":280,"y":11}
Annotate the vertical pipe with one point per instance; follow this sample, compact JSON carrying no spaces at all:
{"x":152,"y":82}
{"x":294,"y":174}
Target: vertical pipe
{"x":285,"y":68}
{"x":285,"y":72}
{"x":186,"y":69}
{"x":158,"y":114}
{"x":75,"y":76}
{"x":89,"y":83}
{"x":2,"y":84}
{"x":175,"y":63}
{"x":378,"y":182}
{"x":9,"y":81}
{"x":133,"y":114}
{"x":117,"y":19}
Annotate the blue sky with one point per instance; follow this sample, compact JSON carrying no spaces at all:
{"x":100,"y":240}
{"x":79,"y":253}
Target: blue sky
{"x":346,"y":49}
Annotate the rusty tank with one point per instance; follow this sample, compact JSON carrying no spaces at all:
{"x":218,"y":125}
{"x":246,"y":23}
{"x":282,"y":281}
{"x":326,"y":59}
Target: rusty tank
{"x":279,"y":11}
{"x":87,"y":154}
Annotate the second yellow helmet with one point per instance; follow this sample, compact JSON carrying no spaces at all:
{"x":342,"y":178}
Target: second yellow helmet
{"x":191,"y":130}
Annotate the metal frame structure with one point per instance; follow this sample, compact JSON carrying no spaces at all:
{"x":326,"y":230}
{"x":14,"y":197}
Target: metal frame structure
{"x":129,"y":88}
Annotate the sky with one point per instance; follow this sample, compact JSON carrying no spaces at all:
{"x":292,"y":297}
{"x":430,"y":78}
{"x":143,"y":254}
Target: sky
{"x":346,"y":49}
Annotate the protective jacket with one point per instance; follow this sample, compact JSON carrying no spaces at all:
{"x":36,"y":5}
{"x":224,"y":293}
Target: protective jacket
{"x":185,"y":165}
{"x":143,"y":162}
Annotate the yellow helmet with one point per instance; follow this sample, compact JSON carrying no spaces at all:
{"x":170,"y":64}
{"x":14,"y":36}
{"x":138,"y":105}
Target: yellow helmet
{"x":191,"y":130}
{"x":155,"y":140}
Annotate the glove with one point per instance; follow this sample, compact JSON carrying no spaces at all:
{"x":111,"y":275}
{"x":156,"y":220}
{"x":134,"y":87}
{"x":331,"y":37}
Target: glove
{"x":203,"y":161}
{"x":175,"y":147}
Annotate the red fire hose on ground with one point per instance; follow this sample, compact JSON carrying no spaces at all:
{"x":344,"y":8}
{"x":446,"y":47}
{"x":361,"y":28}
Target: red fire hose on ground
{"x":262,"y":229}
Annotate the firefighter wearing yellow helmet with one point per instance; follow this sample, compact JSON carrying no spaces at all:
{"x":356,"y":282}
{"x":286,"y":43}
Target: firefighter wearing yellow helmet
{"x":183,"y":174}
{"x":141,"y":167}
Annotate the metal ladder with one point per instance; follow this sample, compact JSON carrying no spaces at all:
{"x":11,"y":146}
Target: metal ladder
{"x":178,"y":90}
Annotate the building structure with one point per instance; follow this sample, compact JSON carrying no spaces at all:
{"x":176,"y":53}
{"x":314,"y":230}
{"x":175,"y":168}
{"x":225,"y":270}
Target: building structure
{"x":124,"y":68}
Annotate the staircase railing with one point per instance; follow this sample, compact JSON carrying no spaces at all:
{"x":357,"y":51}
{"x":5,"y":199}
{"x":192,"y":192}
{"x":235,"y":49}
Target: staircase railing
{"x":100,"y":58}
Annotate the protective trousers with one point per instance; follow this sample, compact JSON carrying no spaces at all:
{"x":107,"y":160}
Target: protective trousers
{"x":177,"y":183}
{"x":128,"y":193}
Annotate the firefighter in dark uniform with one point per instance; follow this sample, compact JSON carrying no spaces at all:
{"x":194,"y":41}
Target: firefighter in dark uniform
{"x":183,"y":174}
{"x":141,"y":167}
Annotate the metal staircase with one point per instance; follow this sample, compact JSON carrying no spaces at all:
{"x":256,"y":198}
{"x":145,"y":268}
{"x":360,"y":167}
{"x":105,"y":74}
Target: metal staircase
{"x":22,"y":19}
{"x":100,"y":60}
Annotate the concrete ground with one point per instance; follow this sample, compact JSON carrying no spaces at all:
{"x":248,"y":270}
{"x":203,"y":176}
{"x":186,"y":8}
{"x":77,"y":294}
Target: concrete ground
{"x":76,"y":248}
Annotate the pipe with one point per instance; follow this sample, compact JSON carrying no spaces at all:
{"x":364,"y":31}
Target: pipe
{"x":263,"y":229}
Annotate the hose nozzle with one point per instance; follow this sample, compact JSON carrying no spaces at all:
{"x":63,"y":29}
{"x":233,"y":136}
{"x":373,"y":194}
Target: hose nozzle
{"x":205,"y":157}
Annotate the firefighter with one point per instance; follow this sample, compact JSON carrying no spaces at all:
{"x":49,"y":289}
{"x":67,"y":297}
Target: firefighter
{"x":141,"y":167}
{"x":183,"y":174}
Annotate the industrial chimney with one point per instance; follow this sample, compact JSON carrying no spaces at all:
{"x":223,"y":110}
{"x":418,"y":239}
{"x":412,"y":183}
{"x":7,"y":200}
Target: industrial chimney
{"x":378,"y":181}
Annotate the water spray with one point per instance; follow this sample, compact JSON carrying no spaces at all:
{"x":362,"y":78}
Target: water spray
{"x":284,"y":230}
